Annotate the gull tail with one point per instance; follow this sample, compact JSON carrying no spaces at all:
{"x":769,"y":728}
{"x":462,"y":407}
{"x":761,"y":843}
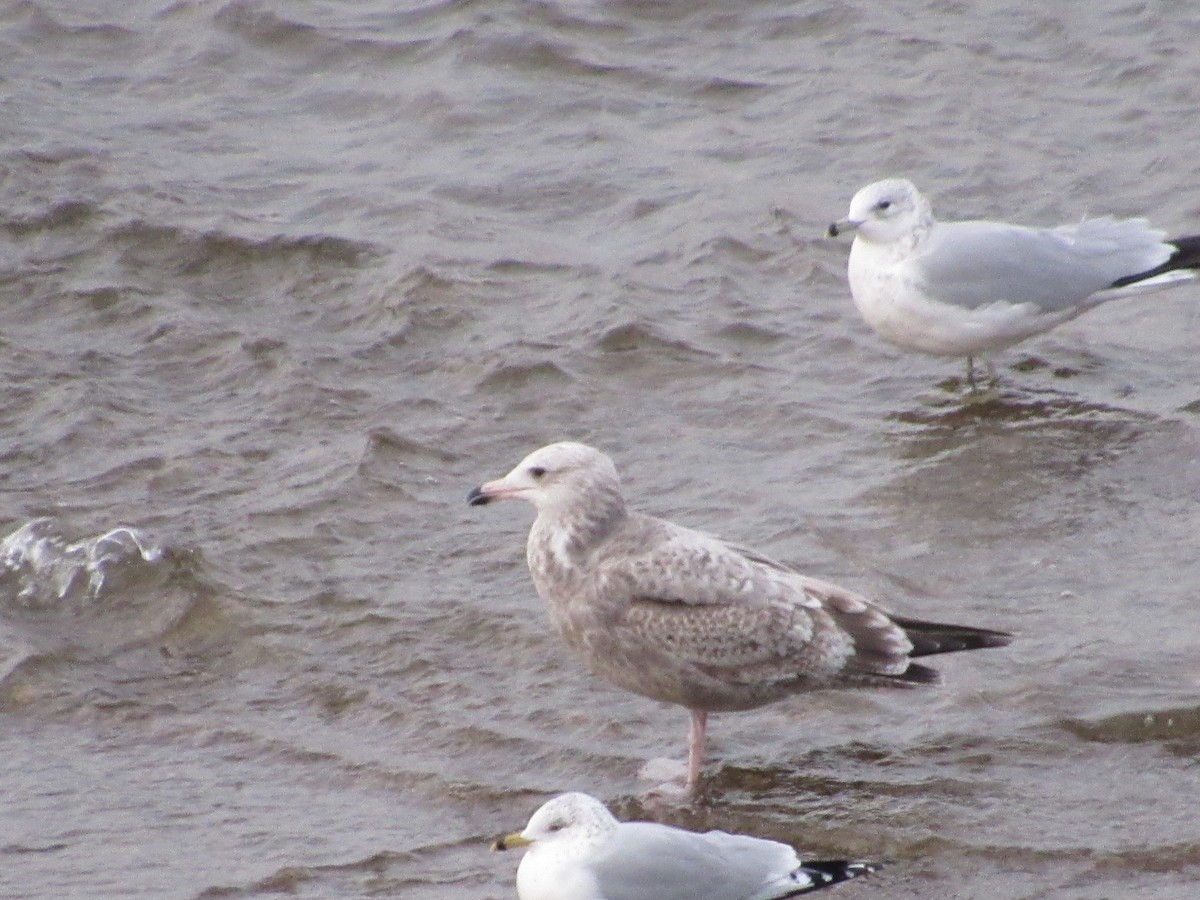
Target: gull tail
{"x":817,"y":874}
{"x":1183,"y":264}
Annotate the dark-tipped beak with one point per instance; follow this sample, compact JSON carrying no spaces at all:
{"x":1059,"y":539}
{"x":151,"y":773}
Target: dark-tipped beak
{"x":477,"y":497}
{"x":840,"y":227}
{"x":508,"y":841}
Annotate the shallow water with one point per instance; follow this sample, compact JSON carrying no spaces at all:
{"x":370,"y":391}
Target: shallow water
{"x":283,"y":281}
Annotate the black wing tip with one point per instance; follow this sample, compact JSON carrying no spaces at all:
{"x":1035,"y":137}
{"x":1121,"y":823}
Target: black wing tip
{"x":919,"y":674}
{"x":975,"y":639}
{"x":931,"y":638}
{"x":1187,"y":252}
{"x":825,"y":872}
{"x":995,"y":639}
{"x":1185,"y":256}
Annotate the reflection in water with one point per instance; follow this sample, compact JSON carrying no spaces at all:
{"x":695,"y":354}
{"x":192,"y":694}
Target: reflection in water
{"x":1066,"y":433}
{"x":1006,"y":405}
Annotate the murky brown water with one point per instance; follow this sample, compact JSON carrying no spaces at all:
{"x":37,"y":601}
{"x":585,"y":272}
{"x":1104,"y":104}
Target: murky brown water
{"x":282,"y":281}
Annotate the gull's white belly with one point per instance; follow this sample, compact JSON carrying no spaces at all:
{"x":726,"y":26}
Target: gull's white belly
{"x":896,"y":307}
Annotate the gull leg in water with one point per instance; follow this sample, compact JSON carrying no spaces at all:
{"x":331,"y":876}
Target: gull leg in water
{"x":696,"y":736}
{"x":993,"y":378}
{"x":977,"y":287}
{"x":687,"y":618}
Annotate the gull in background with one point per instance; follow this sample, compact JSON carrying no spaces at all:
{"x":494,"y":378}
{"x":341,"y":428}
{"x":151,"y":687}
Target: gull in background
{"x":687,"y":618}
{"x":579,"y":851}
{"x":973,"y":288}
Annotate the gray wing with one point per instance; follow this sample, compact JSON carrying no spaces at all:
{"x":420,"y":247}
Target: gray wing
{"x":647,"y":861}
{"x":973,"y":264}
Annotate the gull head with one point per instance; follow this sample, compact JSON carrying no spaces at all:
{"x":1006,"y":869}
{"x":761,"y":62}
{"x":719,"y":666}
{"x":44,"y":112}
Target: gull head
{"x":885,"y":211}
{"x":553,"y":476}
{"x":572,"y":823}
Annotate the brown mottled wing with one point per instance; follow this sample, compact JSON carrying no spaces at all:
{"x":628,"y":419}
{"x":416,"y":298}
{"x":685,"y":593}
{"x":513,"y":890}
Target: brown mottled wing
{"x":744,"y":618}
{"x":881,"y":646}
{"x":737,"y":644}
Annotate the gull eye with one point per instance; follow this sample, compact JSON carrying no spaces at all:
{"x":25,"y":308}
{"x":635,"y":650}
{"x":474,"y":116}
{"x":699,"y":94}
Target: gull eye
{"x":557,"y":825}
{"x":537,"y":471}
{"x":883,"y":205}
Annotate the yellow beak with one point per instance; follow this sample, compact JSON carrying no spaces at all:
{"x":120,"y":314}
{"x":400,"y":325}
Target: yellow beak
{"x":511,"y":840}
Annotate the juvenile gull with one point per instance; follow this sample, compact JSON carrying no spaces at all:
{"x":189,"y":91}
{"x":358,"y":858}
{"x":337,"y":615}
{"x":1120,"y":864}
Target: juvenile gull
{"x":578,"y":851}
{"x":974,"y":288}
{"x":687,"y":618}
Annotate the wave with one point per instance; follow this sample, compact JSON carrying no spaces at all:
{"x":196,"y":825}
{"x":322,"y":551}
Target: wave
{"x":87,"y":597}
{"x":197,"y":251}
{"x":46,"y":570}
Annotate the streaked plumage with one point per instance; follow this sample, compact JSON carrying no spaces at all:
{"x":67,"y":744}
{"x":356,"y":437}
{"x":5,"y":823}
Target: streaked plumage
{"x":686,"y":618}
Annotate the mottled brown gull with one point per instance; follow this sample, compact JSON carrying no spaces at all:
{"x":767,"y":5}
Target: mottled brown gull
{"x":579,"y":851}
{"x":687,"y":618}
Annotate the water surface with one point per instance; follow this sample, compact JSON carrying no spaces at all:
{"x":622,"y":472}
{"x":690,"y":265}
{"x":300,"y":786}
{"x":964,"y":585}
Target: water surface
{"x":283,"y":281}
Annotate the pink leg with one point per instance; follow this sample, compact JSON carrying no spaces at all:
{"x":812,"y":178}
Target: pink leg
{"x":696,"y":746}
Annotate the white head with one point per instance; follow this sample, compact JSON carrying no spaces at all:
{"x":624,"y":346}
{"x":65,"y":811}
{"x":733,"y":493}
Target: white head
{"x":565,"y":837}
{"x":572,"y":823}
{"x":886,"y":211}
{"x":554,"y":476}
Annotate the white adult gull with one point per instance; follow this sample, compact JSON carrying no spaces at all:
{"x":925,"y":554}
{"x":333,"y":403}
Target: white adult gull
{"x":579,"y":851}
{"x":687,"y":618}
{"x":977,"y":287}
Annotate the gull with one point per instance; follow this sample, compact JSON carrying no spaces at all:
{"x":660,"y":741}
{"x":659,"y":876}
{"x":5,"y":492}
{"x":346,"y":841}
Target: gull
{"x":579,"y":851}
{"x":977,"y":287}
{"x":687,"y":618}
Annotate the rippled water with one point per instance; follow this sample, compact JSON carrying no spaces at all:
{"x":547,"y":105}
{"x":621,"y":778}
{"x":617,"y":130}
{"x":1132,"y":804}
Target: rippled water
{"x":283,"y":280}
